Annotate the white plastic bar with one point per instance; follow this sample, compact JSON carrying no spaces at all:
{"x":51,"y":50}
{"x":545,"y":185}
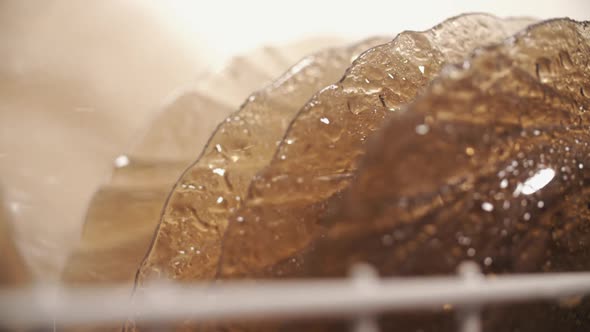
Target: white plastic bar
{"x":469,"y":320}
{"x":366,"y":324}
{"x":470,"y":316}
{"x":365,"y":278}
{"x":277,"y":299}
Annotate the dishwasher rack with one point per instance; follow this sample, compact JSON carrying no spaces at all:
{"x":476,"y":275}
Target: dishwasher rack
{"x":361,"y":296}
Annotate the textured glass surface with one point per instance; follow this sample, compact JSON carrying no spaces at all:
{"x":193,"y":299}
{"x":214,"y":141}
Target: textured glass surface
{"x":122,"y":215}
{"x":288,"y":200}
{"x":490,"y":165}
{"x":188,"y":239}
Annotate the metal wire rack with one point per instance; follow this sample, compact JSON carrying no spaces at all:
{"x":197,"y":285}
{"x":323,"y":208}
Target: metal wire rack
{"x":362,"y":295}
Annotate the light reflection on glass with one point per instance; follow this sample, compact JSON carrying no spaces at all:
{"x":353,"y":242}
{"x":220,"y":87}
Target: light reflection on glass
{"x":121,"y":161}
{"x":219,"y":171}
{"x":535,"y":182}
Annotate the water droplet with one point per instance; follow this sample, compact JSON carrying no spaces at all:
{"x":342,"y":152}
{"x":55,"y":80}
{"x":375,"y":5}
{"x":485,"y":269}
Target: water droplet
{"x":504,"y":184}
{"x":359,"y":105}
{"x":464,"y":240}
{"x":540,"y":204}
{"x":219,"y":171}
{"x":536,"y":182}
{"x":543,"y":69}
{"x":421,"y":68}
{"x":240,"y":219}
{"x":121,"y":161}
{"x":218,"y":147}
{"x":325,"y":120}
{"x":422,"y":129}
{"x":219,"y":200}
{"x":527,"y":216}
{"x":487,"y":206}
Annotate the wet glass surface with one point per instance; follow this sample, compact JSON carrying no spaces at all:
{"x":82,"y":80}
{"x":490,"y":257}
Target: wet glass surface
{"x":188,"y":239}
{"x":317,"y":158}
{"x":123,"y":214}
{"x":489,"y":165}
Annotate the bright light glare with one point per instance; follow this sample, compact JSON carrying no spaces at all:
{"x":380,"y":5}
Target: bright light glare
{"x":535,"y":182}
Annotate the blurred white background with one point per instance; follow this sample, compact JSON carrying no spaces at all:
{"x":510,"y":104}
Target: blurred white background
{"x":231,"y":27}
{"x":79,"y":79}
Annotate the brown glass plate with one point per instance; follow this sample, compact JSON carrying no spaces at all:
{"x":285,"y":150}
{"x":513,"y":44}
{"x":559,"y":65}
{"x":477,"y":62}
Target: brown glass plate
{"x":491,"y":165}
{"x":187,"y":243}
{"x":123,"y":214}
{"x":317,"y":158}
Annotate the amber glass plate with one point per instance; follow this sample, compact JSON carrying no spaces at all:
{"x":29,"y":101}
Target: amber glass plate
{"x":123,"y":214}
{"x":188,"y":239}
{"x":318,"y":156}
{"x":491,"y":164}
{"x":279,"y":214}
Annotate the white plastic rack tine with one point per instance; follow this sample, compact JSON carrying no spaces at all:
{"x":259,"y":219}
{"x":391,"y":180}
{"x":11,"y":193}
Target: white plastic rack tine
{"x":470,"y":316}
{"x":362,"y":296}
